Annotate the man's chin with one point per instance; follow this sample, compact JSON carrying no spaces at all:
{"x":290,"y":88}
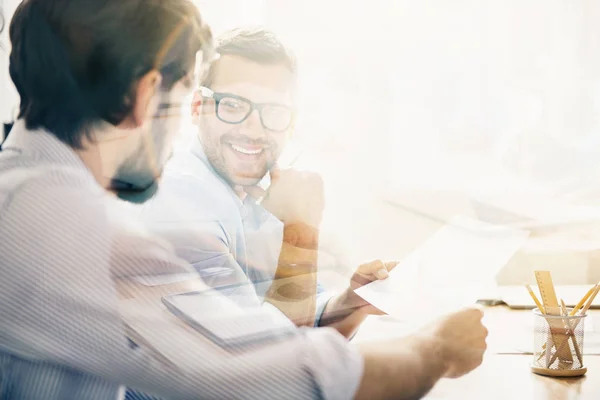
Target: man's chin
{"x":243,"y":177}
{"x":245,"y":181}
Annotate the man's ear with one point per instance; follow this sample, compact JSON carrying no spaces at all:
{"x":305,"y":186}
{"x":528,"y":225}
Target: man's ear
{"x":196,"y":105}
{"x":146,"y":88}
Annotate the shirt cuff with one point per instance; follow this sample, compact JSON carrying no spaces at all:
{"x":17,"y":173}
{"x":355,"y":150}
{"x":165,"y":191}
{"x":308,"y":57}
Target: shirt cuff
{"x":322,"y":301}
{"x":336,"y":366}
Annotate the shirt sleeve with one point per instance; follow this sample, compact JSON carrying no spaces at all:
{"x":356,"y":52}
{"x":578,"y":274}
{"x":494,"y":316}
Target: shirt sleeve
{"x":58,"y":303}
{"x":184,"y":217}
{"x":323,"y":298}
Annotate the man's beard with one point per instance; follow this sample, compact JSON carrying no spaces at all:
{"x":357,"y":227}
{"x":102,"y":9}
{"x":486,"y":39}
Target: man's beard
{"x":136,"y":178}
{"x":133,"y":182}
{"x":215,"y":152}
{"x":133,"y":194}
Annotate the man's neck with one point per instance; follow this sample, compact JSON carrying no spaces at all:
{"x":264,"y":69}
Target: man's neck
{"x":239,"y":191}
{"x":93,"y":161}
{"x":102,"y":157}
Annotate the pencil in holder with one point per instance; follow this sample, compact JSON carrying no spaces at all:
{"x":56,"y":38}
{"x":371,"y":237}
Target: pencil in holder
{"x":558,"y":345}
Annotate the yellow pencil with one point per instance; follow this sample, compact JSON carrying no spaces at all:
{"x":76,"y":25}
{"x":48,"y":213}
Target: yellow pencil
{"x":583,"y":311}
{"x":570,"y":335}
{"x":583,"y":300}
{"x":535,"y":299}
{"x":590,"y":300}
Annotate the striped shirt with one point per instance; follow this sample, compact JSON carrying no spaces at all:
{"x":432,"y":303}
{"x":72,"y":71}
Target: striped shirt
{"x":61,"y":334}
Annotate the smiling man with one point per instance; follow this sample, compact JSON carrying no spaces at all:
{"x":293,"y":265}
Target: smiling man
{"x":246,"y":138}
{"x":212,"y":209}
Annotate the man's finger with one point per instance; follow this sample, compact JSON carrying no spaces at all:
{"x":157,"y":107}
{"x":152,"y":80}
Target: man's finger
{"x":274,"y":172}
{"x":390,"y":265}
{"x":376,"y":268}
{"x":382,"y":273}
{"x":369,"y":267}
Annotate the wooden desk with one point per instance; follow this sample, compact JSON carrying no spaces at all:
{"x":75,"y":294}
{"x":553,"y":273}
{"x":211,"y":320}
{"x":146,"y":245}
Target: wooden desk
{"x":508,"y":377}
{"x":503,"y":376}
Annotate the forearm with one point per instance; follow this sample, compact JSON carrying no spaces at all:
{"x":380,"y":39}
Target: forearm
{"x":338,"y":308}
{"x":294,"y":289}
{"x":342,"y":315}
{"x":348,"y":325}
{"x":400,"y":370}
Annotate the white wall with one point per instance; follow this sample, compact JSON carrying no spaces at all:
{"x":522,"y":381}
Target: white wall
{"x":490,"y":91}
{"x":469,"y":94}
{"x":437,"y":92}
{"x":223,"y":15}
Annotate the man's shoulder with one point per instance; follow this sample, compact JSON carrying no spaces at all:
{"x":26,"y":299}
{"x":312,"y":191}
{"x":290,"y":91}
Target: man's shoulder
{"x":189,"y":190}
{"x":48,"y":215}
{"x":27,"y":181}
{"x":186,"y":165}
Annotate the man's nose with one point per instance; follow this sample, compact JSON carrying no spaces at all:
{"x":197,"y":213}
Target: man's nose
{"x":252,"y":126}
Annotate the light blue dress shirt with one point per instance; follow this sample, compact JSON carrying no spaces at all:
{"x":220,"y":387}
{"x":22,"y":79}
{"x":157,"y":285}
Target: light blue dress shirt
{"x":227,"y":240}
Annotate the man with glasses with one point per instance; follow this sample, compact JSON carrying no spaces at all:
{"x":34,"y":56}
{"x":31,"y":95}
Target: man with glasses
{"x":210,"y":205}
{"x":244,"y":112}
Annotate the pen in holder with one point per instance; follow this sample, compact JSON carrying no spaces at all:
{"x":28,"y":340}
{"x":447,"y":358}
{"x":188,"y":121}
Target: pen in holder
{"x":558,"y":344}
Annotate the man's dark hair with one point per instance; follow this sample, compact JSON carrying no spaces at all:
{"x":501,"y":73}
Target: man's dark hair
{"x":76,"y":62}
{"x":255,"y":44}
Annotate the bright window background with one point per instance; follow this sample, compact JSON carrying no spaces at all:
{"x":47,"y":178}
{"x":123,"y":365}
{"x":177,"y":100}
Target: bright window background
{"x":476,"y":95}
{"x":468,"y":94}
{"x":484,"y":97}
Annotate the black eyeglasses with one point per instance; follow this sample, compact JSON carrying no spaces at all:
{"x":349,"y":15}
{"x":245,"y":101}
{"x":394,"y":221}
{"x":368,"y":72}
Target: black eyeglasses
{"x":234,"y":109}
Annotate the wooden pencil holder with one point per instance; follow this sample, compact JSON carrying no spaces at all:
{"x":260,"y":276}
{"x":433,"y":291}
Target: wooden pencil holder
{"x":558,"y":345}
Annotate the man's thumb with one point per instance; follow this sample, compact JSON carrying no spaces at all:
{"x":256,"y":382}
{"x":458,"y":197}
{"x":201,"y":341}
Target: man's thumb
{"x":274,"y":172}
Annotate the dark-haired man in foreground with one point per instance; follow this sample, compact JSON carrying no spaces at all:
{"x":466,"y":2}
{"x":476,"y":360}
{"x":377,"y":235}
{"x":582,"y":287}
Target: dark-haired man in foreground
{"x":100,"y":84}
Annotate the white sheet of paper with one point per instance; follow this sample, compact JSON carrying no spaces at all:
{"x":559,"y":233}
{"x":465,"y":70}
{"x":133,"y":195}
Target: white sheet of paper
{"x":447,"y":272}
